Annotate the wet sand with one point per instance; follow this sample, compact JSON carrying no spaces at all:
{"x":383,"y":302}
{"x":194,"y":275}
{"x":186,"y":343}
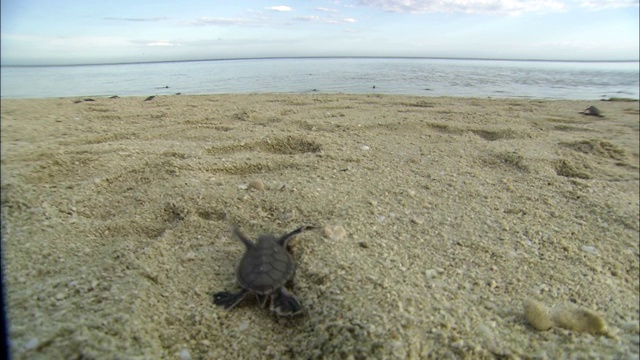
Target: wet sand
{"x":468,"y":225}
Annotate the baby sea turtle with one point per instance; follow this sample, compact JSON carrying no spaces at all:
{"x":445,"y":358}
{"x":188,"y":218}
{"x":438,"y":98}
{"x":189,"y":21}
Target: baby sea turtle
{"x":593,"y":111}
{"x":264,"y":269}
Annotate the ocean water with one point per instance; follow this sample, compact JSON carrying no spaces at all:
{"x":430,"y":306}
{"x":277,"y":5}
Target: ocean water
{"x":425,"y":77}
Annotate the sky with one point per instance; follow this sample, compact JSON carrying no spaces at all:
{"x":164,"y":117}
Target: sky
{"x":63,"y":32}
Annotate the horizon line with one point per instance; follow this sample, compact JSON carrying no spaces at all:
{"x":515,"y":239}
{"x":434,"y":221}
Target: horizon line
{"x":320,"y":57}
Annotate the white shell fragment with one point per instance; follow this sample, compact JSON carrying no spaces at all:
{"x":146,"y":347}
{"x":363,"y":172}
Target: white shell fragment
{"x":335,"y":232}
{"x":568,"y":317}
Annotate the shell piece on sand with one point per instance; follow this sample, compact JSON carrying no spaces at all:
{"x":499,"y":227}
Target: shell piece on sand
{"x":538,"y":315}
{"x":336,"y":232}
{"x":579,"y":319}
{"x":256,"y":185}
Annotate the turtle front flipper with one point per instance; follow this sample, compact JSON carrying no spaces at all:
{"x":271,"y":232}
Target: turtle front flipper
{"x":285,"y":303}
{"x":284,"y":239}
{"x":247,"y":242}
{"x":228,"y":300}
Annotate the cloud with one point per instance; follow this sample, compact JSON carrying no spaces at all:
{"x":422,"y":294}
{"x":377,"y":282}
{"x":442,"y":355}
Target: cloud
{"x":162,"y":43}
{"x":326,"y":20}
{"x":137,"y":19}
{"x":307,"y":18}
{"x":609,"y":4}
{"x":326,"y":9}
{"x":281,"y":8}
{"x":508,"y":7}
{"x":216,"y":21}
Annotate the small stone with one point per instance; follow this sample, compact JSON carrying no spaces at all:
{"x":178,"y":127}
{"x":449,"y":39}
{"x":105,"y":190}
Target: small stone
{"x":336,"y":232}
{"x":185,"y":355}
{"x":538,"y":315}
{"x":430,"y":273}
{"x":589,"y":249}
{"x":31,"y":344}
{"x":243,"y":326}
{"x":189,"y":256}
{"x":287,"y":216}
{"x":364,"y":147}
{"x":256,"y":185}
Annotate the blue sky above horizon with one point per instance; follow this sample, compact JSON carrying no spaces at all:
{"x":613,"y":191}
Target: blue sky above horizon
{"x":42,"y":32}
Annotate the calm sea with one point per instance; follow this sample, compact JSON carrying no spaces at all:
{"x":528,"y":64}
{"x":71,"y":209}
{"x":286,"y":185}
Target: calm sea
{"x":427,"y":77}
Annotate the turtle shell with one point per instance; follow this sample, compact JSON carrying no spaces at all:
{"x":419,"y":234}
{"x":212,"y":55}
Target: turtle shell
{"x":265,"y":266}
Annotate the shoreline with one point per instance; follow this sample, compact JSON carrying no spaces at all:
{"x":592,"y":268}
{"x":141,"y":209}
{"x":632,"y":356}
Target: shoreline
{"x":312,"y":92}
{"x":449,"y":227}
{"x":329,"y":57}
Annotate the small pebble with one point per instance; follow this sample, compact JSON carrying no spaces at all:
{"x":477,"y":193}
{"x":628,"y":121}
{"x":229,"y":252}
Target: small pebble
{"x":430,"y":273}
{"x":364,"y":147}
{"x":185,"y":354}
{"x":189,"y":256}
{"x":589,"y":249}
{"x":31,"y":344}
{"x":336,"y":232}
{"x":287,"y":216}
{"x":256,"y":185}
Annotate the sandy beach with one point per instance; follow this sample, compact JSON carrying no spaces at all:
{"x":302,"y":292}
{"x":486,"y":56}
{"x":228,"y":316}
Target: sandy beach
{"x":473,"y":228}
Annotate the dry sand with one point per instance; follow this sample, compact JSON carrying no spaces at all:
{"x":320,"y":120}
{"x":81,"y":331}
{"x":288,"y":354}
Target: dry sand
{"x":116,"y":216}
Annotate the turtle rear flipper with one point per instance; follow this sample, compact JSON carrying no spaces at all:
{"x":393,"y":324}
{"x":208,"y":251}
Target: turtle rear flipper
{"x":262,"y":299}
{"x":285,"y":303}
{"x":228,"y":300}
